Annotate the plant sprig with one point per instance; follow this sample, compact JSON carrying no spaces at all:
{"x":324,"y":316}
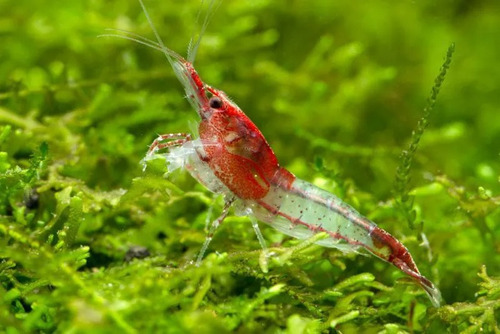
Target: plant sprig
{"x":401,"y":185}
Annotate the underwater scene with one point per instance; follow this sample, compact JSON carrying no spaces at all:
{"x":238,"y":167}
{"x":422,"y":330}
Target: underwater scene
{"x":261,"y":166}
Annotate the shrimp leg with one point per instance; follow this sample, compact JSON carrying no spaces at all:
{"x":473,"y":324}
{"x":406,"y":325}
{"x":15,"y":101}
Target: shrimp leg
{"x":175,"y":139}
{"x":256,"y":228}
{"x":215,"y":224}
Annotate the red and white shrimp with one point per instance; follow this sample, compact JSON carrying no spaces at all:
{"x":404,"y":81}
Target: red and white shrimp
{"x":232,"y":157}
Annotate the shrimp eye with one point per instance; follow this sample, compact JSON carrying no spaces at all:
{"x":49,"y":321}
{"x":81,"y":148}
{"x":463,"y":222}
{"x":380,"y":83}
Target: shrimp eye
{"x":215,"y":102}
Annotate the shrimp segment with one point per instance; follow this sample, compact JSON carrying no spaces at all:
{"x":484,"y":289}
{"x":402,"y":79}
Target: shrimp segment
{"x":232,"y":157}
{"x":301,"y":210}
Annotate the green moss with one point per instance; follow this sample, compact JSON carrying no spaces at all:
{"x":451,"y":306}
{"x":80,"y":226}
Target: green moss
{"x":90,"y":243}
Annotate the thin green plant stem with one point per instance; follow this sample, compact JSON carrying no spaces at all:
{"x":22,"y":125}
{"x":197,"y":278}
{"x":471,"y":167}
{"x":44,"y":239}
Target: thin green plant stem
{"x":403,"y":199}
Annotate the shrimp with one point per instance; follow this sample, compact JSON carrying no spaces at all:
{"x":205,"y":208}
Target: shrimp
{"x":231,"y":157}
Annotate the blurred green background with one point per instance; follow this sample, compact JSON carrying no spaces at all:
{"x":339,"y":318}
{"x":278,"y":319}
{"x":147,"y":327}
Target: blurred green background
{"x":337,"y":87}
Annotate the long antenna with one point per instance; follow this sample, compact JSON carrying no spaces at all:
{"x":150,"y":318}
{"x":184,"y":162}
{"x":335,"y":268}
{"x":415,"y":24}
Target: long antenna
{"x":193,"y":47}
{"x":158,"y":38}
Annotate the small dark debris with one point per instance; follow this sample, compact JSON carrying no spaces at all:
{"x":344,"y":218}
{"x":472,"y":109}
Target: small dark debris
{"x":136,"y":252}
{"x":32,"y":199}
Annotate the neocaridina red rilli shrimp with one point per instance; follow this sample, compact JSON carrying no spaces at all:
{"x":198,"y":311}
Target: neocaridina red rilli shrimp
{"x":232,"y":157}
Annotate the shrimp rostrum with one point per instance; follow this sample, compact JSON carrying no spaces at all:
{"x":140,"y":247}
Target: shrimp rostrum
{"x":232,"y":157}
